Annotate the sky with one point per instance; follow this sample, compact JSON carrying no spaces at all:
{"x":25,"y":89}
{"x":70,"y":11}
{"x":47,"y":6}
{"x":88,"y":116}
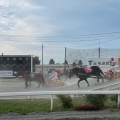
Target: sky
{"x":26,"y":25}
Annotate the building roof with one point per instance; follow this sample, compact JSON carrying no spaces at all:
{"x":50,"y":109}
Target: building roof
{"x":15,"y":55}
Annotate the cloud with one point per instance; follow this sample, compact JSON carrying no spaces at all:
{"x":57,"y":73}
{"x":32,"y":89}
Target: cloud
{"x":18,"y":18}
{"x":26,"y":24}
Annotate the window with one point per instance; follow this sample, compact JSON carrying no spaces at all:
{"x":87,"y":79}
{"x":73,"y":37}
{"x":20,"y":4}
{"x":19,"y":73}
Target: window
{"x":103,"y":63}
{"x":20,"y":58}
{"x":14,"y":58}
{"x":107,"y":63}
{"x":99,"y":63}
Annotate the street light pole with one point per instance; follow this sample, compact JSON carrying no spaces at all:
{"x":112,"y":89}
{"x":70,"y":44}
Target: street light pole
{"x":99,"y":49}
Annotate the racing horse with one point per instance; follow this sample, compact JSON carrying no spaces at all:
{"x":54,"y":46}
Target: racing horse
{"x":28,"y":77}
{"x":20,"y":73}
{"x":83,"y":75}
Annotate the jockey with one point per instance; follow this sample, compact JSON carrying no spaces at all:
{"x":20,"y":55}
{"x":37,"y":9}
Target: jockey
{"x":88,"y":70}
{"x":112,"y":65}
{"x":55,"y":74}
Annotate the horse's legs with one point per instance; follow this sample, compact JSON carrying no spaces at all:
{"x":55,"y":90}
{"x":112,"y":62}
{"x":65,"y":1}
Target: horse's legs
{"x":81,"y":80}
{"x":102,"y":79}
{"x":87,"y":82}
{"x":43,"y":84}
{"x":30,"y":82}
{"x":97,"y":79}
{"x":26,"y":82}
{"x":78,"y":82}
{"x":39,"y":84}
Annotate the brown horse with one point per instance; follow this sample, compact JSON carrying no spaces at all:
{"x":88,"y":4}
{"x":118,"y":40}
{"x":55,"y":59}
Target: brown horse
{"x":37,"y":77}
{"x":20,"y":73}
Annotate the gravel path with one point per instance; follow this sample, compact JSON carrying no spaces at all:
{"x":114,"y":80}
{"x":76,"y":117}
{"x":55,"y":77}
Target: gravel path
{"x":71,"y":115}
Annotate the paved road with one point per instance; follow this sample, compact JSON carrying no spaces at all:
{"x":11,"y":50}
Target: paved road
{"x":71,"y":115}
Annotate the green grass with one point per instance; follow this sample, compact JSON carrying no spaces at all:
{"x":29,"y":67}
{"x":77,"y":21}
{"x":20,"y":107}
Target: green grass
{"x":41,"y":105}
{"x":24,"y":106}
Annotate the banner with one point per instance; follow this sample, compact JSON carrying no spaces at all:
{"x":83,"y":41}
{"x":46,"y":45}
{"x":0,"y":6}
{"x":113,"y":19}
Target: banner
{"x":6,"y":73}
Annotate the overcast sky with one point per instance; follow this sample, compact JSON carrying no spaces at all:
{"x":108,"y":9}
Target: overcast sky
{"x":79,"y":24}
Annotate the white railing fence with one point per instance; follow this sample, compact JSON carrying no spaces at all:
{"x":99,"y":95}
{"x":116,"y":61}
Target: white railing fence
{"x":82,"y":92}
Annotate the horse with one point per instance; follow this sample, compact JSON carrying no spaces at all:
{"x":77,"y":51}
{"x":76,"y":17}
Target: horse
{"x":38,"y":77}
{"x":20,"y":73}
{"x":82,"y":75}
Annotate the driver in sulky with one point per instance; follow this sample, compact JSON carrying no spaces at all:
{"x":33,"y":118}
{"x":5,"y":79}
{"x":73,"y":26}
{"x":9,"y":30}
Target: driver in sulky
{"x":112,"y":65}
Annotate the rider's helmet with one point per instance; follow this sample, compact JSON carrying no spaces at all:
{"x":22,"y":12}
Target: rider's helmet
{"x":112,"y":58}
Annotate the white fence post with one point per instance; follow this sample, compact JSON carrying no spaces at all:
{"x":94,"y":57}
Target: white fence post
{"x":118,"y":102}
{"x":51,"y":102}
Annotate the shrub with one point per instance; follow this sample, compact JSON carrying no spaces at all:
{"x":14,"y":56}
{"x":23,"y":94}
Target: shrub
{"x":96,"y":100}
{"x":86,"y":107}
{"x":114,"y":98}
{"x":66,"y":101}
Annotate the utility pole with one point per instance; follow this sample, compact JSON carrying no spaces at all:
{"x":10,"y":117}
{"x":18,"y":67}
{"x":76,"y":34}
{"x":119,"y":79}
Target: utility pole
{"x":99,"y":49}
{"x":42,"y":59}
{"x":65,"y":60}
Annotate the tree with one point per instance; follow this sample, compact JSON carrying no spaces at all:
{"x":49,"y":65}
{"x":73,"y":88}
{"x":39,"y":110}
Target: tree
{"x":80,"y":62}
{"x":36,"y":60}
{"x":74,"y":64}
{"x":51,"y":61}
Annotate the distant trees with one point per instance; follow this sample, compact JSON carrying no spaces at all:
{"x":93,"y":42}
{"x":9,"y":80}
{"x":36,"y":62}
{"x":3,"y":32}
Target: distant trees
{"x":36,"y":60}
{"x":80,"y":62}
{"x":74,"y":64}
{"x":51,"y":61}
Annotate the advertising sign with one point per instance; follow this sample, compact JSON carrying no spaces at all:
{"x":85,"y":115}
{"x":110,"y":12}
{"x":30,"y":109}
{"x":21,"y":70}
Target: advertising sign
{"x":6,"y":73}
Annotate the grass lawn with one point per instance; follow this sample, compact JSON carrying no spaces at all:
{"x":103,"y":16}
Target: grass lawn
{"x":42,"y":105}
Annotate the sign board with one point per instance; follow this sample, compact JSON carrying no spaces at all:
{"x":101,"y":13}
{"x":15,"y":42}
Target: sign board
{"x":6,"y":73}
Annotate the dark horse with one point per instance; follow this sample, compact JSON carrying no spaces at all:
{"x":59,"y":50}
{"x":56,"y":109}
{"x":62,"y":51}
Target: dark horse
{"x":28,"y":77}
{"x":82,"y":75}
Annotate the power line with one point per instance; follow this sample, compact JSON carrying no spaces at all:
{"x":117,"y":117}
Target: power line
{"x":55,"y":38}
{"x":59,"y":36}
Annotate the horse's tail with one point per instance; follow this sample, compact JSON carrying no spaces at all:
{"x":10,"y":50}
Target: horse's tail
{"x":98,"y":68}
{"x":101,"y":72}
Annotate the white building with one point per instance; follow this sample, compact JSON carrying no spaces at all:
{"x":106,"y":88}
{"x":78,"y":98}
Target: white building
{"x":103,"y":62}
